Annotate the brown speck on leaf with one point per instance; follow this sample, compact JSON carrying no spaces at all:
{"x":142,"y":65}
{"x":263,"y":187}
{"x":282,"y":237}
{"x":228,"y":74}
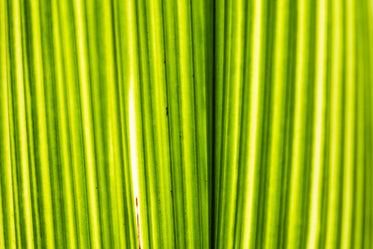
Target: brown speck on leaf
{"x":138,"y":222}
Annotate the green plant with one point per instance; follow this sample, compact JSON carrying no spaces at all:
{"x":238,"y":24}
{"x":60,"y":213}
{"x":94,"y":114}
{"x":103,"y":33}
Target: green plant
{"x":186,"y":124}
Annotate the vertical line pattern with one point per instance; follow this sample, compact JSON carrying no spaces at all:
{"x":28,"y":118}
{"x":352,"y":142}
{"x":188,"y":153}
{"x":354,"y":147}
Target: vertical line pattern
{"x":306,"y":129}
{"x":186,"y":124}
